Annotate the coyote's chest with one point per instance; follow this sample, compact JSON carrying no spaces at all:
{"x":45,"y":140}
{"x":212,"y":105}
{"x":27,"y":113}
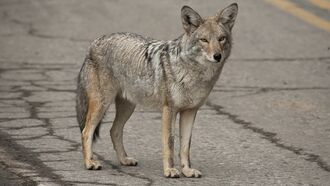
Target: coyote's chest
{"x":193,"y":88}
{"x":189,"y":97}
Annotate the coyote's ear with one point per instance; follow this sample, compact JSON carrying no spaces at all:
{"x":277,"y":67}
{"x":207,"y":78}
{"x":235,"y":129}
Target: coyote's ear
{"x":228,"y":15}
{"x":190,"y":19}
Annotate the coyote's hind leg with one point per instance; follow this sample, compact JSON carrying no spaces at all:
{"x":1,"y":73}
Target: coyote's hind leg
{"x":124,"y":110}
{"x":97,"y":101}
{"x":93,"y":119}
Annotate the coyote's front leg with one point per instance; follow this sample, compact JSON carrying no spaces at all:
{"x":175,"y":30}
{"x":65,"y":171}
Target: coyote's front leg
{"x":187,"y":119}
{"x":168,"y":122}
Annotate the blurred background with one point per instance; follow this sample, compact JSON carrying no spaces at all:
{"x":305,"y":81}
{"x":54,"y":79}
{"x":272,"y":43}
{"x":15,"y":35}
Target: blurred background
{"x":267,"y":121}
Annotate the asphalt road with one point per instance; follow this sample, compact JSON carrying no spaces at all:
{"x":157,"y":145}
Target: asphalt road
{"x":267,"y":121}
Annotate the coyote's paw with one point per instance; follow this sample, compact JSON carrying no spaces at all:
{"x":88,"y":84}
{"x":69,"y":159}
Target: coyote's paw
{"x":128,"y":161}
{"x":171,"y":173}
{"x":191,"y":173}
{"x":93,"y":165}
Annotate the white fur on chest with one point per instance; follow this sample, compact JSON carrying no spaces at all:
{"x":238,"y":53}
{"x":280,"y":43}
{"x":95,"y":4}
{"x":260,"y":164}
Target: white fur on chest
{"x":193,"y":86}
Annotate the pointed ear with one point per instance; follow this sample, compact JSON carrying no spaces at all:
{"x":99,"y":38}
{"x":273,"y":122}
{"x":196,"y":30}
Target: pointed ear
{"x":228,"y":15}
{"x":190,"y":19}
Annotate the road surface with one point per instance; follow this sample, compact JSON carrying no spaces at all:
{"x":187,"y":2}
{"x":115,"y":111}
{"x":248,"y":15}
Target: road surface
{"x":267,"y":121}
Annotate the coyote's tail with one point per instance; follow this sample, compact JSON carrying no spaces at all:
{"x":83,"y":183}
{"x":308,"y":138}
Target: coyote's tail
{"x":82,"y":101}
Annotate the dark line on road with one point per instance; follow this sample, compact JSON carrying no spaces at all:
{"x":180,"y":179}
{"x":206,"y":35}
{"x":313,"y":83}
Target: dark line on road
{"x":251,"y":91}
{"x":7,"y":175}
{"x":91,"y":183}
{"x":281,"y":59}
{"x":117,"y":168}
{"x":274,"y":89}
{"x":34,"y":33}
{"x":265,"y":89}
{"x":270,"y":136}
{"x":22,"y":154}
{"x":7,"y":65}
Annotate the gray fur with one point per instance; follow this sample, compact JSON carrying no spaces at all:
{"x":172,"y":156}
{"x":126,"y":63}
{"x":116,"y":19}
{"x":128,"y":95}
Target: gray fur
{"x":177,"y":74}
{"x":138,"y":66}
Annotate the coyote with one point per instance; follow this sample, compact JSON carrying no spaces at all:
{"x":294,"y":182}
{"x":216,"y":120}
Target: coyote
{"x":173,"y":76}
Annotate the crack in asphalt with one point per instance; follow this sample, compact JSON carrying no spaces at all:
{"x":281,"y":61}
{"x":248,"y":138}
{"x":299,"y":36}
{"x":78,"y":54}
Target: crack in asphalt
{"x":281,"y":59}
{"x":29,"y":156}
{"x":270,"y":136}
{"x":22,"y":154}
{"x":26,"y":181}
{"x":91,"y":183}
{"x":265,"y":89}
{"x":118,"y":169}
{"x":33,"y":32}
{"x":260,"y":90}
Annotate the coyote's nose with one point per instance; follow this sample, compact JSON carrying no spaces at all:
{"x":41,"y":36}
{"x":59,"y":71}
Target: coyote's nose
{"x":217,"y":57}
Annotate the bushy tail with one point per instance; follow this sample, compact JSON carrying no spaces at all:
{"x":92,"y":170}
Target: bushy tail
{"x":82,"y":101}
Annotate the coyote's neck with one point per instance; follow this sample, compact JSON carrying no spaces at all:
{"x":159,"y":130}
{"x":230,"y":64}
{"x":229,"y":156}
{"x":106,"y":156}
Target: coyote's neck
{"x":173,"y":53}
{"x":156,"y":48}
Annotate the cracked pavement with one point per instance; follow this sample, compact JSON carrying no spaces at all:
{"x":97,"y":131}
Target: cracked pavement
{"x":267,"y":121}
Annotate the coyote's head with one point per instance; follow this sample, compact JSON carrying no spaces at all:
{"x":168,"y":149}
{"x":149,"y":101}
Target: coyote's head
{"x":208,"y":39}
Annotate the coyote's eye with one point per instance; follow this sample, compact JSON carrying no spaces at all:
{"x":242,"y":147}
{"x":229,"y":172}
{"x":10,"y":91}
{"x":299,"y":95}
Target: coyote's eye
{"x":204,"y":40}
{"x":222,"y":39}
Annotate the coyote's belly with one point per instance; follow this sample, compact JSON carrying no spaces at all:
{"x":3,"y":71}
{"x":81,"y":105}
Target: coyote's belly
{"x":146,"y":93}
{"x":152,"y":95}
